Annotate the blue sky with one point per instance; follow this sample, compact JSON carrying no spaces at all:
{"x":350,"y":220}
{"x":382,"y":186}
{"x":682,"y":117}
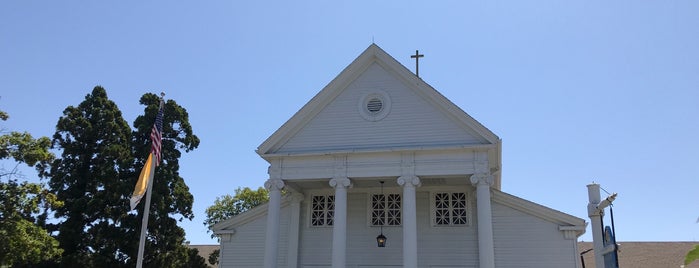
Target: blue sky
{"x":579,"y":91}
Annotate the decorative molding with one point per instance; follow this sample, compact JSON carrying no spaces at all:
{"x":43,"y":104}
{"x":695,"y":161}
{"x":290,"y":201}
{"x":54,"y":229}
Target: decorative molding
{"x":480,"y":163}
{"x":407,"y":164}
{"x":340,"y":182}
{"x":225,"y":237}
{"x":340,"y":166}
{"x":409,"y":181}
{"x":571,"y":232}
{"x":275,"y":169}
{"x":482,"y":179}
{"x":274,"y":185}
{"x":420,"y":148}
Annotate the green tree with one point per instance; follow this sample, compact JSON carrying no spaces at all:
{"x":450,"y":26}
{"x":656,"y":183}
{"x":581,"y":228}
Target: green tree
{"x":227,"y":206}
{"x":98,"y":168}
{"x":92,"y":176}
{"x":23,"y":239}
{"x":165,"y":246}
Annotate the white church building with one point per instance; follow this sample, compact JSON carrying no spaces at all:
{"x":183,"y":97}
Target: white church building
{"x":380,"y":153}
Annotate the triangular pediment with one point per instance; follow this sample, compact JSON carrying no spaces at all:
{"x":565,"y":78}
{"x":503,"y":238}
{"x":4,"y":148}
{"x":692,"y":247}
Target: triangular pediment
{"x":376,"y":104}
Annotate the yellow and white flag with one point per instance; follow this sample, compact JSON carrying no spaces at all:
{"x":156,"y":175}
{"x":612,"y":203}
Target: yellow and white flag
{"x":142,"y":185}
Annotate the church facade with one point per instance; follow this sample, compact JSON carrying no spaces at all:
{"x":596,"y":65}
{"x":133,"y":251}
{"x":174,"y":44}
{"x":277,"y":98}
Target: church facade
{"x":378,"y":154}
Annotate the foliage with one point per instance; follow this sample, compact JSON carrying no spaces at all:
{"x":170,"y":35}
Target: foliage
{"x":213,"y":257}
{"x":22,"y":147}
{"x":23,"y":239}
{"x":692,"y":255}
{"x":227,"y":206}
{"x":92,"y":176}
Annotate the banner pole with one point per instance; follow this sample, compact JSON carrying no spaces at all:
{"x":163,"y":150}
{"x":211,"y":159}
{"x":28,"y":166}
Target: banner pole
{"x":144,"y":223}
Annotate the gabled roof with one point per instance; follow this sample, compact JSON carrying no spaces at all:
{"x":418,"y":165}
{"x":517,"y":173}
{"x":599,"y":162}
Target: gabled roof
{"x":374,"y":55}
{"x":229,"y":225}
{"x":565,"y":221}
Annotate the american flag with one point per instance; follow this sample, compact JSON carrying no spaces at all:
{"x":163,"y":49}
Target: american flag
{"x":156,"y":135}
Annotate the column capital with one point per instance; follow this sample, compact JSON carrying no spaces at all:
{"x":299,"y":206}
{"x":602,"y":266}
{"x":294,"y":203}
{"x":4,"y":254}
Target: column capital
{"x":274,"y":185}
{"x":480,"y":179}
{"x":343,"y":182}
{"x":409,"y":181}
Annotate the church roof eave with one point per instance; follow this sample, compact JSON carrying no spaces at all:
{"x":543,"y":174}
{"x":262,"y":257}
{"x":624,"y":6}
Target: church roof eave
{"x":245,"y":217}
{"x":382,"y":150}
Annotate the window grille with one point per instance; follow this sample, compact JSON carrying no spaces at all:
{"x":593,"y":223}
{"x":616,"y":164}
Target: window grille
{"x":386,"y":210}
{"x":450,"y":209}
{"x":322,"y":210}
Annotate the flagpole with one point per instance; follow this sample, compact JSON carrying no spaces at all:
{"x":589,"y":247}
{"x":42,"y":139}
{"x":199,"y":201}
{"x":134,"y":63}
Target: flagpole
{"x":156,"y":136}
{"x":144,"y":222}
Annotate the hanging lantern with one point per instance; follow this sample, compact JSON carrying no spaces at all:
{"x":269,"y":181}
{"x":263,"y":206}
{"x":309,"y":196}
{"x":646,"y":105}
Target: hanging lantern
{"x":381,"y":239}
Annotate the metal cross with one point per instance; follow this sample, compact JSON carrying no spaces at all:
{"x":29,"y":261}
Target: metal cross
{"x":417,"y":57}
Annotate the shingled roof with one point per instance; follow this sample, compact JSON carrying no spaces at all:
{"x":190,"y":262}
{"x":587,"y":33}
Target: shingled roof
{"x":646,"y":254}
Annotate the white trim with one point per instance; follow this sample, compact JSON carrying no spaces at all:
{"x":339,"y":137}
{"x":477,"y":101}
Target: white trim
{"x":456,"y":147}
{"x":570,"y":231}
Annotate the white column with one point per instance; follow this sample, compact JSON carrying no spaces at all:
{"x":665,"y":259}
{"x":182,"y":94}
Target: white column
{"x":340,"y":222}
{"x":486,"y":252}
{"x":409,"y":184}
{"x":294,"y":224}
{"x":274,"y":186}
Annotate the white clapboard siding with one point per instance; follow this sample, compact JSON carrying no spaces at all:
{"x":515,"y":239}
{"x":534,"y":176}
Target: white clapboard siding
{"x":315,"y":243}
{"x":445,"y":246}
{"x":412,"y":120}
{"x":523,"y":240}
{"x":455,"y":246}
{"x":246,"y":248}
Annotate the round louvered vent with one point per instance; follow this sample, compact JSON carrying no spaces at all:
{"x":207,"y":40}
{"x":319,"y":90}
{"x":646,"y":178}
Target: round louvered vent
{"x":375,"y":105}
